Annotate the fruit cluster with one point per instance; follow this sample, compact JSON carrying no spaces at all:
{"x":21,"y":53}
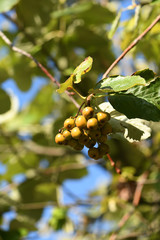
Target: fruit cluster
{"x":87,"y":130}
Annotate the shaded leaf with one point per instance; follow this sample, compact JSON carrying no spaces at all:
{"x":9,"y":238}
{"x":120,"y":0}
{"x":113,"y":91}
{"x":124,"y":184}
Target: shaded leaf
{"x":5,"y":102}
{"x":134,"y":107}
{"x":90,"y":12}
{"x":72,"y":174}
{"x":147,"y":74}
{"x":6,"y":235}
{"x":120,"y":83}
{"x":23,"y":221}
{"x":150,"y":93}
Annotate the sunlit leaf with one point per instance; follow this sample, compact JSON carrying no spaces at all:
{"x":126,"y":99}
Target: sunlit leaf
{"x":120,"y":83}
{"x":83,"y":68}
{"x":114,"y":25}
{"x":7,"y":5}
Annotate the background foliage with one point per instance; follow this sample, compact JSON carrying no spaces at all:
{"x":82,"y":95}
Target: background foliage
{"x":61,"y":34}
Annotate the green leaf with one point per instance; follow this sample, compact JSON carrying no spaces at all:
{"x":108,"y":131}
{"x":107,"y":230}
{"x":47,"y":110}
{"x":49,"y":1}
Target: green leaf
{"x":72,"y":174}
{"x":5,"y":102}
{"x":155,"y":1}
{"x":91,"y":13}
{"x":120,"y":83}
{"x":149,"y":93}
{"x":134,"y":107}
{"x":133,"y":132}
{"x":24,"y":222}
{"x":7,"y":5}
{"x":68,"y":83}
{"x":114,"y":25}
{"x":10,"y":234}
{"x":83,"y":68}
{"x":75,"y":9}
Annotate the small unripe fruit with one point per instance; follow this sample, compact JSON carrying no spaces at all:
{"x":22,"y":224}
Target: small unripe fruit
{"x":103,"y":149}
{"x":67,"y":135}
{"x":90,"y":143}
{"x":102,"y":118}
{"x":88,"y":112}
{"x":81,"y":122}
{"x":83,"y":139}
{"x":59,"y":139}
{"x":93,"y":153}
{"x":95,"y":134}
{"x":69,"y":123}
{"x":106,"y":129}
{"x":102,"y":139}
{"x":76,"y":133}
{"x":72,"y":142}
{"x":92,"y":123}
{"x":79,"y":147}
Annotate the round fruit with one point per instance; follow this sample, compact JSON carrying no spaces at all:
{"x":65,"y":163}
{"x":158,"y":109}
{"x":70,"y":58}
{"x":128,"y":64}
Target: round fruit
{"x":59,"y":139}
{"x":88,"y":112}
{"x":79,"y":147}
{"x":106,"y":129}
{"x":90,"y":143}
{"x":69,"y":123}
{"x":76,"y":132}
{"x":92,"y":123}
{"x":81,"y":122}
{"x":67,"y":135}
{"x":103,"y":117}
{"x":83,"y":138}
{"x":103,"y":149}
{"x":93,"y":153}
{"x":95,"y":134}
{"x":72,"y":142}
{"x":102,"y":139}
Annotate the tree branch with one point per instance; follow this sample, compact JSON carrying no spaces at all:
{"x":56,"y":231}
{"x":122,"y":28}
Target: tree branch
{"x":131,"y":46}
{"x":43,"y":69}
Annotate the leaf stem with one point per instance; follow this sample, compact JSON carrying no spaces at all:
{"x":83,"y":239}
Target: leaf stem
{"x":131,"y":46}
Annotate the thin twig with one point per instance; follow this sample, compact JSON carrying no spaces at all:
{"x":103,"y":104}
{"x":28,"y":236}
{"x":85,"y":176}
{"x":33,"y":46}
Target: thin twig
{"x":43,"y":69}
{"x":131,"y":46}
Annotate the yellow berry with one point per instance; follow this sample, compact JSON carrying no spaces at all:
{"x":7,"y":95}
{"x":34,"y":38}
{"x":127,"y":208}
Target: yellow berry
{"x":81,"y":122}
{"x":102,"y":118}
{"x":92,"y":123}
{"x":88,"y":112}
{"x":59,"y":139}
{"x":69,"y":123}
{"x":67,"y":135}
{"x":76,"y":132}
